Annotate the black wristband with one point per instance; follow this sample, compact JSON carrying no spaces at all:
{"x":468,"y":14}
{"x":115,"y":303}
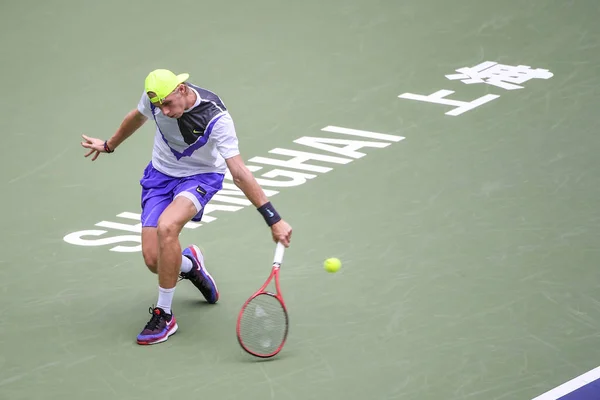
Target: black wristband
{"x":269,"y":214}
{"x":106,"y":148}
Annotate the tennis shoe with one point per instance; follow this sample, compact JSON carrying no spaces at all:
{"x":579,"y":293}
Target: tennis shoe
{"x":159,"y":328}
{"x":199,"y":276}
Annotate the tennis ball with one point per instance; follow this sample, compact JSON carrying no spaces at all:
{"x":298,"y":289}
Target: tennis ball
{"x":332,"y":265}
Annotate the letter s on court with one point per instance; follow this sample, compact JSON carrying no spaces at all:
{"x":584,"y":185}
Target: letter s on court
{"x":76,"y":238}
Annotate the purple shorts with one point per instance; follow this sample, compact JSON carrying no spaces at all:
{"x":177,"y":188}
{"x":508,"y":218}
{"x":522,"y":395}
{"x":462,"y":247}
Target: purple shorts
{"x":159,"y":190}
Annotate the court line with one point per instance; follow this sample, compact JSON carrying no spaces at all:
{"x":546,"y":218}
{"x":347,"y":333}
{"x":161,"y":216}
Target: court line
{"x":571,"y":386}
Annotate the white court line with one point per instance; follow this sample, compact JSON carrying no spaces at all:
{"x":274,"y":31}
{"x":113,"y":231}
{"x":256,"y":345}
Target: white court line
{"x":570,"y":386}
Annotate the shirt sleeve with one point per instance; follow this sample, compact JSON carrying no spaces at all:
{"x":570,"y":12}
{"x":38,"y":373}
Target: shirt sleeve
{"x":144,"y":106}
{"x":224,"y":135}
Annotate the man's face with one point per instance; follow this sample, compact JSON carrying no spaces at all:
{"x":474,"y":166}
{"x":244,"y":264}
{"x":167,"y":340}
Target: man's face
{"x":174,"y":104}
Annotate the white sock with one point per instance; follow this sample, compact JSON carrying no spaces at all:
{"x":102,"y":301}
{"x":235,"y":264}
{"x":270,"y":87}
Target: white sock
{"x":165,"y":298}
{"x":186,"y":264}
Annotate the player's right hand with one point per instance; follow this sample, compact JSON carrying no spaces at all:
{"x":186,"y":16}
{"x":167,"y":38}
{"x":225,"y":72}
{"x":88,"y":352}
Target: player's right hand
{"x":282,"y":232}
{"x":96,"y":146}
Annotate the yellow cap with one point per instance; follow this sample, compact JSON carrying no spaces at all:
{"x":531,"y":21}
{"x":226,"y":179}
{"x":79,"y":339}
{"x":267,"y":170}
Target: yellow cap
{"x":162,"y":82}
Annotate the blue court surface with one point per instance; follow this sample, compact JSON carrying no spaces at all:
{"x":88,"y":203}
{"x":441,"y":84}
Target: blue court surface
{"x":584,"y":387}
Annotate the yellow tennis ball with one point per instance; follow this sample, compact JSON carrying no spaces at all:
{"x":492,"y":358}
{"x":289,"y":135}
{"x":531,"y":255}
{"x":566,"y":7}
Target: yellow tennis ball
{"x":332,"y":265}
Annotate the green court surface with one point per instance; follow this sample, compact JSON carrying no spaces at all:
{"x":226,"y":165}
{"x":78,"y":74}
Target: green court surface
{"x":469,"y":242}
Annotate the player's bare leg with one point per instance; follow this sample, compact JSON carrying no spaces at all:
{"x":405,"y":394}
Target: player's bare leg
{"x":162,"y":254}
{"x":170,"y":224}
{"x":150,"y":247}
{"x":168,"y":266}
{"x":195,"y":271}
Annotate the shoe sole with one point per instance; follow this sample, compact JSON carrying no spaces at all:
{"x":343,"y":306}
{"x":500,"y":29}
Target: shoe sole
{"x":163,"y":339}
{"x":197,"y":253}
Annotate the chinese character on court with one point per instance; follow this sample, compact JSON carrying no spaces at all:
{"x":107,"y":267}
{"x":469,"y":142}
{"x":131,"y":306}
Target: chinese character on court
{"x":440,"y":97}
{"x":505,"y":76}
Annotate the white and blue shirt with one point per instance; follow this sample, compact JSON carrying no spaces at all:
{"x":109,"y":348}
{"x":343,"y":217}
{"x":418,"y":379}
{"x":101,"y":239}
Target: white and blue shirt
{"x":197,"y":142}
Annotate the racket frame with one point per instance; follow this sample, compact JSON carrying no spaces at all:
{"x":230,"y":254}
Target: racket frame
{"x":274,"y":275}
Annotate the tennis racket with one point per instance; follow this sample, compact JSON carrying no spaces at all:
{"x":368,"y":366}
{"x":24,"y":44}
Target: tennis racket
{"x":262,"y":324}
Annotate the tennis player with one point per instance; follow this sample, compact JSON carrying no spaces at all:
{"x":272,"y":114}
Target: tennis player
{"x":194,"y":144}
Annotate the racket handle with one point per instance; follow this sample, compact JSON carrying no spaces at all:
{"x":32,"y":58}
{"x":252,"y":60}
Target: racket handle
{"x":279,"y":249}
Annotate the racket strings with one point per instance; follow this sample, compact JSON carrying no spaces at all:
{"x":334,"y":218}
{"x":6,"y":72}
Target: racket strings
{"x":263,"y":325}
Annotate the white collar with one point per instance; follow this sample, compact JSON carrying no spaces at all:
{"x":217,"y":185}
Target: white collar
{"x":198,"y":100}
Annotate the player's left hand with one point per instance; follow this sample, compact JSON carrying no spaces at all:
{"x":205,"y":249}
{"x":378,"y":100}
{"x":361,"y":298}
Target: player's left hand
{"x":282,"y":232}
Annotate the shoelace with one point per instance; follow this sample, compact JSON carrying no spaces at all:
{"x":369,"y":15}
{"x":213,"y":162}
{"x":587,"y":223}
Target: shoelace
{"x":184,"y":275}
{"x":154,"y":321}
{"x":205,"y":285}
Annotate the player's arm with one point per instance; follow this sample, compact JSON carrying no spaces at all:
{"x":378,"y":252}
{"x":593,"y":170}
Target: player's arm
{"x":227,"y":145}
{"x":245,"y":181}
{"x":131,"y":123}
